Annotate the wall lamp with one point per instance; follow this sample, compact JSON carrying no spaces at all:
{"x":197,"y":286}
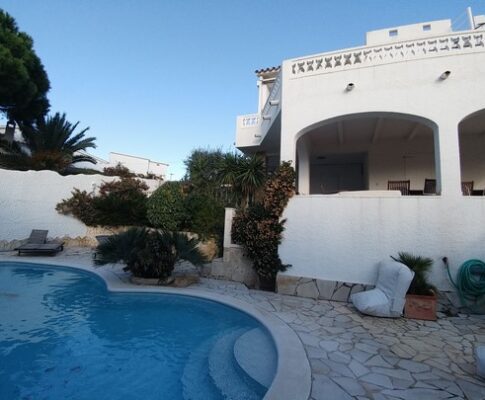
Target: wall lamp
{"x":350,"y":87}
{"x":445,"y":75}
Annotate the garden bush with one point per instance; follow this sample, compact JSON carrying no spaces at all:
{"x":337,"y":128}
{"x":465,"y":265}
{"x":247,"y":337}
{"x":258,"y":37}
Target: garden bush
{"x":118,"y":170}
{"x":119,"y":203}
{"x":149,"y":253}
{"x":165,"y":208}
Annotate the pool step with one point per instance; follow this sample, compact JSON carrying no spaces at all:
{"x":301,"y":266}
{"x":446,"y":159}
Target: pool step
{"x":196,"y":382}
{"x":255,"y":355}
{"x":232,"y":382}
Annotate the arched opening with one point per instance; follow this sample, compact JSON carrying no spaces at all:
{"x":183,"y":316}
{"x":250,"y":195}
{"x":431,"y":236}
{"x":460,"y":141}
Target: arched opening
{"x":371,"y":152}
{"x":471,"y":131}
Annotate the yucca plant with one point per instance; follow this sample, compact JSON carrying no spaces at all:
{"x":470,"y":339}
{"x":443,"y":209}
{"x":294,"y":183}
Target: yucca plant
{"x":245,"y":175}
{"x":421,"y":267}
{"x":149,"y":253}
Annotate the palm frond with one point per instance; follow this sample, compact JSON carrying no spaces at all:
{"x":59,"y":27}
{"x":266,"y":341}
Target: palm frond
{"x":77,"y":158}
{"x":421,"y":267}
{"x":121,"y":247}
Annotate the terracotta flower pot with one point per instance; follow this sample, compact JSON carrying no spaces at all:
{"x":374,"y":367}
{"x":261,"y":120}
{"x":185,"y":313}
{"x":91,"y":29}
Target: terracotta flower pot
{"x":420,"y":307}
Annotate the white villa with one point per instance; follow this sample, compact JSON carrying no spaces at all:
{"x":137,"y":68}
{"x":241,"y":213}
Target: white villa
{"x":406,"y":108}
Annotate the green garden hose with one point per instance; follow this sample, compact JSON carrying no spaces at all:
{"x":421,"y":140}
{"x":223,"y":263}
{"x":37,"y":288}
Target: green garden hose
{"x":470,"y":282}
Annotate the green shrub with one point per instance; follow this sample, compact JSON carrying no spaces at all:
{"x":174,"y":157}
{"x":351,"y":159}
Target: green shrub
{"x":259,"y":228}
{"x":79,"y":205}
{"x":118,"y":170}
{"x":204,"y":215}
{"x":149,"y":253}
{"x":165,"y":209}
{"x":119,"y":203}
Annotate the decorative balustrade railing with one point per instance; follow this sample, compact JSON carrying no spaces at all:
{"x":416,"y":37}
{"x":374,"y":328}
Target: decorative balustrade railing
{"x":250,"y":120}
{"x":389,"y":53}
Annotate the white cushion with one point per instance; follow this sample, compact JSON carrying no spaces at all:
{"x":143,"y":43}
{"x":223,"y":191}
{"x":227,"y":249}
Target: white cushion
{"x":388,"y":297}
{"x":372,"y":302}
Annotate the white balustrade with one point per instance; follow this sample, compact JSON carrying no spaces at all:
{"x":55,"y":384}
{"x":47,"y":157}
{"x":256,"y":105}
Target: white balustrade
{"x":446,"y":45}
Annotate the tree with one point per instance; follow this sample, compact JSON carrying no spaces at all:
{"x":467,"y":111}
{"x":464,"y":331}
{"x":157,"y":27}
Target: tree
{"x":202,"y":170}
{"x":23,"y":81}
{"x":245,"y":175}
{"x":231,"y":178}
{"x":259,"y":227}
{"x":49,"y":144}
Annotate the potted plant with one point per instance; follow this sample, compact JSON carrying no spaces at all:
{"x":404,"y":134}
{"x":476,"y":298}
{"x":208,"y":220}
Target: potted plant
{"x":421,"y":296}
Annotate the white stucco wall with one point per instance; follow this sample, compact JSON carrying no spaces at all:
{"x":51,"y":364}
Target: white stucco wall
{"x":343,"y":239}
{"x":408,"y":32}
{"x":336,"y":238}
{"x":28,"y":201}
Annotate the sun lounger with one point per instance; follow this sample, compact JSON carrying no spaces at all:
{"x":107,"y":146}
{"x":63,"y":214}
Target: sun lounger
{"x":37,"y":244}
{"x":101,"y":240}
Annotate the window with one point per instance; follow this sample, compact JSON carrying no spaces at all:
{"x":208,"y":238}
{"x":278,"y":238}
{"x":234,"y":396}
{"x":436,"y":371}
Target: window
{"x":426,"y":27}
{"x":393,"y":33}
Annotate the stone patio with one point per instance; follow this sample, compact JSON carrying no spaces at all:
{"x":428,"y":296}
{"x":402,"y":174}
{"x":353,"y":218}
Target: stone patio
{"x":359,"y":357}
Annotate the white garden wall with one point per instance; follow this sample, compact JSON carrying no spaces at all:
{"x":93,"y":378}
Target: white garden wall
{"x":340,"y":238}
{"x":28,"y":201}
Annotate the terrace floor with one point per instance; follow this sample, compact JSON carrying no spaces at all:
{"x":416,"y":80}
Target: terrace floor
{"x":354,"y":356}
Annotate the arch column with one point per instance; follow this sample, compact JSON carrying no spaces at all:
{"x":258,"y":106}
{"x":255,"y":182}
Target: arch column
{"x":303,"y":166}
{"x":447,"y":157}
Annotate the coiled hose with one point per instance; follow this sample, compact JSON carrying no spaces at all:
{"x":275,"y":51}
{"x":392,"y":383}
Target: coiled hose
{"x":470,"y":283}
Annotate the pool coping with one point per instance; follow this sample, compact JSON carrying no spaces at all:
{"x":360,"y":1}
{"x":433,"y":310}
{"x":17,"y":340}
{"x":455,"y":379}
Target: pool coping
{"x":293,"y":373}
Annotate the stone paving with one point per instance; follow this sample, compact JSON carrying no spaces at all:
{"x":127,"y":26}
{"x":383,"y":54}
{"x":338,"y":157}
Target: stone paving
{"x":360,"y":357}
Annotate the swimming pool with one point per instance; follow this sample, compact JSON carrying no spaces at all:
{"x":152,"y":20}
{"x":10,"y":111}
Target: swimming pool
{"x":63,"y":335}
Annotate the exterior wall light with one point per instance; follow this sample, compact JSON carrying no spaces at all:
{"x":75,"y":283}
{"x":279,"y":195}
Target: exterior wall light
{"x":350,"y":87}
{"x":445,"y":75}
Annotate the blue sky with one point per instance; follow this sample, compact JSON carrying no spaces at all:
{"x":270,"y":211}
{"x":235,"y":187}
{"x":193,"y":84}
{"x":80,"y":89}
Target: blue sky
{"x":158,"y":78}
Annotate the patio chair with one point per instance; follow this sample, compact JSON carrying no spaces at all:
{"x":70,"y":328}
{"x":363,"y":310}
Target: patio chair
{"x":403,"y":186}
{"x":389,"y":295}
{"x":101,"y":239}
{"x":429,"y":186}
{"x":37,"y":244}
{"x":467,"y":188}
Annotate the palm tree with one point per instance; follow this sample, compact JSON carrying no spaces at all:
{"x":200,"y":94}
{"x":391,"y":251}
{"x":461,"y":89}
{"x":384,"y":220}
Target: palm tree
{"x":150,"y":253}
{"x":49,"y":144}
{"x":246,"y":175}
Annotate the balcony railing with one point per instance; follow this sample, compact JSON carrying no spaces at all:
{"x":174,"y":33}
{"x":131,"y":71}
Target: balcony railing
{"x":360,"y":57}
{"x":252,"y":128}
{"x":248,"y":130}
{"x":249,"y":120}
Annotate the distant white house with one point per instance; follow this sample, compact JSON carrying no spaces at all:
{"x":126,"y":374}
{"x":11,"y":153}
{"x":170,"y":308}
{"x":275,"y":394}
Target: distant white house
{"x":137,"y":165}
{"x":404,"y":111}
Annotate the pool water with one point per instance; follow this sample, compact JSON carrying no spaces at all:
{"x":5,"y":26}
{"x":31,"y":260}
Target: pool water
{"x":64,"y":336}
